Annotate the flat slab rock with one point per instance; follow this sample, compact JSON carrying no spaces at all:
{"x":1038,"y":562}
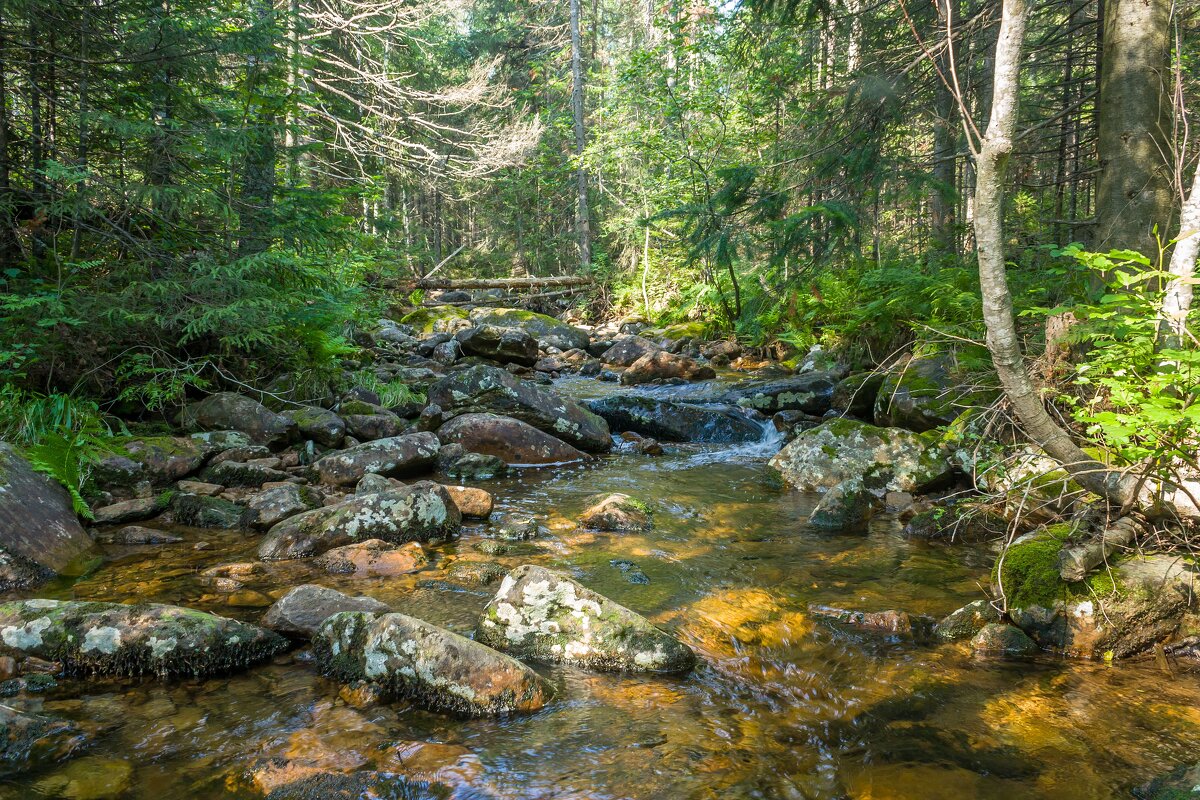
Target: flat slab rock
{"x":301,"y":611}
{"x":543,"y":616}
{"x":393,"y":456}
{"x":144,"y":639}
{"x":434,"y":667}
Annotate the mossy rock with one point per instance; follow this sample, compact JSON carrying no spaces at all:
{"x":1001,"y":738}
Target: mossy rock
{"x":678,"y":330}
{"x":926,"y":393}
{"x":435,"y":319}
{"x":542,"y":327}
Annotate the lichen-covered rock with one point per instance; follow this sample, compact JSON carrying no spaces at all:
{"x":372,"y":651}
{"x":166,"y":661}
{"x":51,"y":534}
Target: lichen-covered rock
{"x":966,"y":621}
{"x":391,"y":457}
{"x":661,"y":365}
{"x":373,"y":558}
{"x":144,"y":639}
{"x":301,"y":611}
{"x":510,"y":440}
{"x":230,"y":411}
{"x":39,"y":532}
{"x":475,"y":467}
{"x":1139,"y":604}
{"x":506,"y":345}
{"x":318,"y":424}
{"x":431,"y":666}
{"x":842,"y":449}
{"x":135,"y":510}
{"x":209,"y":512}
{"x":382,"y":424}
{"x":483,"y":390}
{"x":810,"y":392}
{"x":553,"y":332}
{"x":244,"y":473}
{"x":674,"y":421}
{"x":847,"y":505}
{"x":158,"y":459}
{"x":29,"y":741}
{"x":998,"y":639}
{"x":476,"y":573}
{"x":627,"y":350}
{"x":889,"y":622}
{"x":437,"y":319}
{"x":274,"y":505}
{"x":420,"y":512}
{"x":541,"y":615}
{"x":616,"y":512}
{"x":472,"y":502}
{"x":926,"y":393}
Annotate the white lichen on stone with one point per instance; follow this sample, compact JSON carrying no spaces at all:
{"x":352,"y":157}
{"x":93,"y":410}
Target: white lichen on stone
{"x":27,"y":636}
{"x":105,"y":638}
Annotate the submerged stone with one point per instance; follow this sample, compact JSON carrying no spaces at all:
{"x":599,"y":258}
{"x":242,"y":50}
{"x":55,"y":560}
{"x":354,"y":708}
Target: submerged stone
{"x":616,"y":512}
{"x":116,"y":639}
{"x":966,"y":621}
{"x":999,"y":639}
{"x":675,"y":421}
{"x":434,"y":667}
{"x":541,"y":615}
{"x":29,"y":741}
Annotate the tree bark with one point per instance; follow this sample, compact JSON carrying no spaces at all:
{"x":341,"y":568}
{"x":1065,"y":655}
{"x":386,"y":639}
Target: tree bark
{"x":258,"y":170}
{"x":1002,"y":339}
{"x":941,"y":200}
{"x":1177,"y":301}
{"x":1133,"y":192}
{"x":583,"y":227}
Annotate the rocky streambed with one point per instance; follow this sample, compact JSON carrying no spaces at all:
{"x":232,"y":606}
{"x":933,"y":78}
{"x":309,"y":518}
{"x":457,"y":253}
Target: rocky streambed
{"x":553,"y":581}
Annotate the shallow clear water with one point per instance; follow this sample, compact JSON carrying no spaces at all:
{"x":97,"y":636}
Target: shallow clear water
{"x":783,"y":706}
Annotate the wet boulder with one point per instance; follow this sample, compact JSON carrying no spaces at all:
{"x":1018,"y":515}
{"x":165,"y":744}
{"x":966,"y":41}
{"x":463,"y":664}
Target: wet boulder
{"x":272,"y":506}
{"x":229,"y":411}
{"x":137,"y":535}
{"x":999,"y":639}
{"x":473,"y":503}
{"x":475,"y":467}
{"x":627,"y":350}
{"x":674,"y":421}
{"x":849,"y":504}
{"x":301,"y":611}
{"x":318,"y":424}
{"x":811,"y":392}
{"x":490,"y":390}
{"x":510,"y":440}
{"x":661,"y":365}
{"x":437,"y":319}
{"x":251,"y":473}
{"x":373,"y":558}
{"x":966,"y":621}
{"x":791,"y":423}
{"x":541,"y":615}
{"x":200,"y":511}
{"x":431,"y":666}
{"x":391,"y":457}
{"x":39,"y":532}
{"x":885,"y":459}
{"x":29,"y":741}
{"x":616,"y":512}
{"x":135,"y":510}
{"x":159,"y":459}
{"x":721,"y":352}
{"x":855,"y":394}
{"x":506,"y":345}
{"x":544,"y":328}
{"x":927,"y":393}
{"x":420,"y":512}
{"x":144,"y":639}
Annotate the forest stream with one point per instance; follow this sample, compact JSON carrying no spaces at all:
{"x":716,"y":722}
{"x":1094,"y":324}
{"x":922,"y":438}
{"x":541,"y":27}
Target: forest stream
{"x":783,"y":703}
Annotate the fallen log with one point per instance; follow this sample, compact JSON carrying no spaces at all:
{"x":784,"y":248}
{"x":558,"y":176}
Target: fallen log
{"x":492,"y":283}
{"x":1074,"y":563}
{"x":494,"y":301}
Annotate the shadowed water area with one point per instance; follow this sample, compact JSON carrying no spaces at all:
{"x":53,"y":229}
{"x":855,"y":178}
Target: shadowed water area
{"x":783,"y":705}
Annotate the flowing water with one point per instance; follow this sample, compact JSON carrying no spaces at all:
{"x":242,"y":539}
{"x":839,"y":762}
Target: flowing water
{"x":782,"y":706}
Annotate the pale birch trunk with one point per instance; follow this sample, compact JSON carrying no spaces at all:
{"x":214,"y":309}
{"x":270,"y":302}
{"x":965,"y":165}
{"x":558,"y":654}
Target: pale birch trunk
{"x":1177,"y":301}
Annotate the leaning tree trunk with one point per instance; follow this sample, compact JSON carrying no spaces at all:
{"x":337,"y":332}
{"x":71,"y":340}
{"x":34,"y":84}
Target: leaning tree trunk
{"x":1177,"y":301}
{"x":1002,"y":338}
{"x":1133,"y":192}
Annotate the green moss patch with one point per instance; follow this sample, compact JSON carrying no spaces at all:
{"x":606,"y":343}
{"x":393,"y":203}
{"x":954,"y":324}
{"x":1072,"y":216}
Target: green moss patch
{"x":1030,"y":572}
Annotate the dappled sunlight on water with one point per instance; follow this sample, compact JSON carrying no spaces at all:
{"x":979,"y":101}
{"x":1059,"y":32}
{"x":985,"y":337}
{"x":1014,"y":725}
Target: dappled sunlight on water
{"x":783,"y":705}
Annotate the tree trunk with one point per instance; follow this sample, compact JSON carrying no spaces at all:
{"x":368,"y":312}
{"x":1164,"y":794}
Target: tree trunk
{"x":941,"y":200}
{"x":1177,"y":301}
{"x":258,"y":170}
{"x":582,"y":221}
{"x":1002,"y":339}
{"x":1133,"y":113}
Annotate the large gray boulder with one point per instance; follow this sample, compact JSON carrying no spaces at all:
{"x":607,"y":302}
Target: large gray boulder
{"x":810,"y":392}
{"x":301,"y":611}
{"x":144,"y":639}
{"x":542,"y":615}
{"x":420,"y":512}
{"x":391,"y":457}
{"x":661,"y":365}
{"x":627,"y":350}
{"x":885,"y":459}
{"x":318,"y":424}
{"x":508,"y":439}
{"x":491,"y":390}
{"x":39,"y":532}
{"x":506,"y":345}
{"x":674,"y":421}
{"x":230,"y":411}
{"x":438,"y":669}
{"x":546,"y":329}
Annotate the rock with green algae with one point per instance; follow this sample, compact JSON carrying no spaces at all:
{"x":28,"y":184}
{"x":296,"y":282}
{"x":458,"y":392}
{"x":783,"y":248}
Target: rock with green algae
{"x":544,"y":616}
{"x":89,"y":778}
{"x":810,"y":392}
{"x":434,"y":667}
{"x":318,"y":424}
{"x":544,"y":328}
{"x":231,"y":411}
{"x":490,"y":390}
{"x":843,"y":449}
{"x":966,"y":621}
{"x":927,"y":393}
{"x":437,"y":319}
{"x":39,"y":533}
{"x":419,"y":512}
{"x":675,"y":421}
{"x":616,"y":512}
{"x":390,"y":457}
{"x":29,"y":741}
{"x":847,"y":505}
{"x":159,"y":459}
{"x":209,"y":512}
{"x":143,"y":639}
{"x":999,"y":639}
